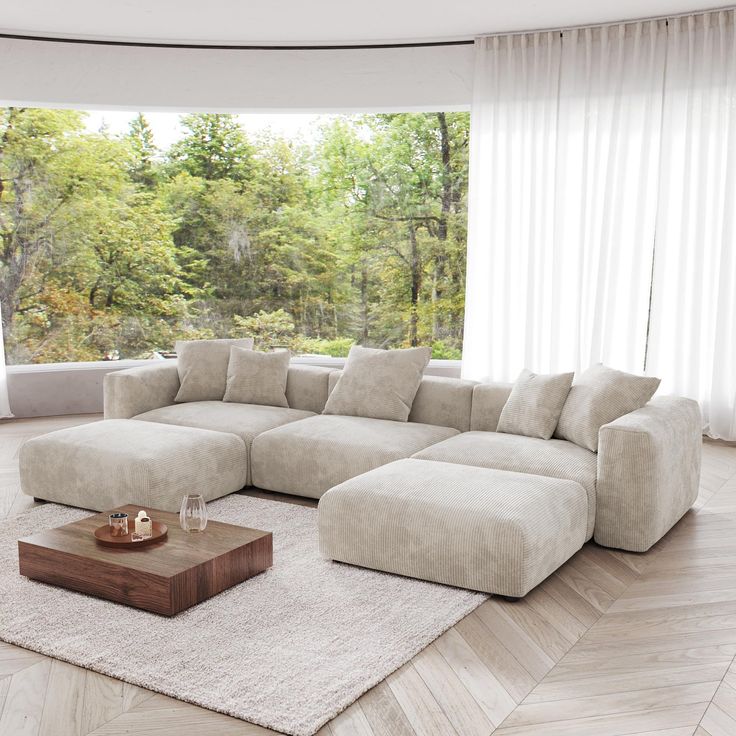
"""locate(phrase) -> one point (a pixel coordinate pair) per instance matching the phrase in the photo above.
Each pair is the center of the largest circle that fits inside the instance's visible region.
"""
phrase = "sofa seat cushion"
(245, 420)
(553, 458)
(307, 458)
(489, 530)
(106, 464)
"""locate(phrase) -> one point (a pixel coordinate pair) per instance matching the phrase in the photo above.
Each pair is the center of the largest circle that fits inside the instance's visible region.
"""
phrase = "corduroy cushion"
(476, 528)
(257, 378)
(553, 458)
(534, 406)
(378, 384)
(598, 397)
(202, 366)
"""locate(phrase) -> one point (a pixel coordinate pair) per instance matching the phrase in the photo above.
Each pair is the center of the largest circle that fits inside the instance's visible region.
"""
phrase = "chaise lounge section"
(489, 530)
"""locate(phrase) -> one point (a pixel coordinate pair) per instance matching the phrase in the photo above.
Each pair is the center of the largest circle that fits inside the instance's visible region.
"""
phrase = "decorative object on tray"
(118, 524)
(104, 535)
(143, 527)
(193, 514)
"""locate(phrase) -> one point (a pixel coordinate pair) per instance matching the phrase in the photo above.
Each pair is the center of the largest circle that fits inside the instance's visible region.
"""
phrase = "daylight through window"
(122, 232)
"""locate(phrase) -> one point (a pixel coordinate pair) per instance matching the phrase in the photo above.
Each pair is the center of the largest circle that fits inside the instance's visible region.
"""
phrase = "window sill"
(435, 367)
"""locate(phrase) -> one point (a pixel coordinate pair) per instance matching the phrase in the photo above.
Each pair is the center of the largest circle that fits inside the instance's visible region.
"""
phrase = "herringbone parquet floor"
(612, 644)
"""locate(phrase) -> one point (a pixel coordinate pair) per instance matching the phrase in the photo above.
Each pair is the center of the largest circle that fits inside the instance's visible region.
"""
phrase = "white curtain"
(692, 340)
(4, 402)
(575, 143)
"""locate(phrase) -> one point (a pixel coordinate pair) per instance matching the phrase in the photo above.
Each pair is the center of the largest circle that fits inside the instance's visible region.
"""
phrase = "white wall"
(89, 76)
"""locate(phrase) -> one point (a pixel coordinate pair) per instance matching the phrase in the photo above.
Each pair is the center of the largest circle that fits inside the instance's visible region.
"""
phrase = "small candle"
(143, 525)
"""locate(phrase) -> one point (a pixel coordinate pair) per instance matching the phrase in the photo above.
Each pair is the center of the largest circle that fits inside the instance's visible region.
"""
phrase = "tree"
(400, 179)
(214, 147)
(42, 171)
(143, 166)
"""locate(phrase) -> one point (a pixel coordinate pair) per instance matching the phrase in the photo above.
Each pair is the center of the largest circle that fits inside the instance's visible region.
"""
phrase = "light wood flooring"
(611, 644)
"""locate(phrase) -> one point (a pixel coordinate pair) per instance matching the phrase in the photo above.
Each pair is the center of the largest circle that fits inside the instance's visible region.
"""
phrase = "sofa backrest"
(445, 402)
(488, 401)
(307, 387)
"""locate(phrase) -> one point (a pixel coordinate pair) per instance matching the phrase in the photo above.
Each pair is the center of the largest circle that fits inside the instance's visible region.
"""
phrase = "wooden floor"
(612, 644)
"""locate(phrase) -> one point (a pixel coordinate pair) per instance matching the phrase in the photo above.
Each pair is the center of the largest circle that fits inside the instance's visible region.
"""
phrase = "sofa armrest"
(648, 472)
(133, 391)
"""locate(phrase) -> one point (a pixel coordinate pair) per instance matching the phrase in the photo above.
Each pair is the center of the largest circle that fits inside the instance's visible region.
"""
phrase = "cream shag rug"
(288, 649)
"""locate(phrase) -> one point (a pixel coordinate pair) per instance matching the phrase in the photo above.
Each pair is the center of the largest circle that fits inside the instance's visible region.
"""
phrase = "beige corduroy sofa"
(447, 465)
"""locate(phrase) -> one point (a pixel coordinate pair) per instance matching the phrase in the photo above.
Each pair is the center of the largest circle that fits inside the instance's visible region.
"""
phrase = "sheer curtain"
(4, 402)
(575, 143)
(692, 339)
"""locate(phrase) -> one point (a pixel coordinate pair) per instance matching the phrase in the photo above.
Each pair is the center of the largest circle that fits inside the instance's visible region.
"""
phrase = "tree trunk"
(416, 282)
(364, 305)
(446, 199)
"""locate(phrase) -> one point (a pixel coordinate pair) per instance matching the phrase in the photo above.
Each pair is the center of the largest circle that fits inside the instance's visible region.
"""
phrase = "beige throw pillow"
(257, 378)
(379, 384)
(202, 366)
(598, 397)
(534, 406)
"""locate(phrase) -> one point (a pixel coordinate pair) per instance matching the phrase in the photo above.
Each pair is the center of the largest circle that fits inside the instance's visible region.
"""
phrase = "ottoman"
(490, 530)
(115, 462)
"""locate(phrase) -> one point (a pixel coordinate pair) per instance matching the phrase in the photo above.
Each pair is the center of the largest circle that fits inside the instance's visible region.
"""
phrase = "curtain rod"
(347, 47)
(563, 29)
(232, 47)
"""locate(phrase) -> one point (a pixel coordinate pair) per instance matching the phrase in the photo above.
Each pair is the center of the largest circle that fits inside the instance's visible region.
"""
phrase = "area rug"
(288, 649)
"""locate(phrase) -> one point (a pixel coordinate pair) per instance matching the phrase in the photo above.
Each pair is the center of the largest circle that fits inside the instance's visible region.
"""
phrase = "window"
(122, 232)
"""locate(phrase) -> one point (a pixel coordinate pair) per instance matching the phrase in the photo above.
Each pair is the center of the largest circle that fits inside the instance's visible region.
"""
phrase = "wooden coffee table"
(165, 577)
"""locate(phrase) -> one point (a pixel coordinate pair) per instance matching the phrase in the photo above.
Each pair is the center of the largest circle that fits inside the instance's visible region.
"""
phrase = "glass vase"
(193, 514)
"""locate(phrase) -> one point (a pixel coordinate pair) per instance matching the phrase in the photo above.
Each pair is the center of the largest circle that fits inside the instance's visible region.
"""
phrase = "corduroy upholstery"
(489, 400)
(247, 421)
(106, 464)
(551, 458)
(488, 530)
(643, 478)
(311, 456)
(648, 472)
(134, 391)
(446, 402)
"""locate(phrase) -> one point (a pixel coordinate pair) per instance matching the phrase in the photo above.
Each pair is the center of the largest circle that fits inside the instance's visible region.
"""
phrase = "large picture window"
(118, 238)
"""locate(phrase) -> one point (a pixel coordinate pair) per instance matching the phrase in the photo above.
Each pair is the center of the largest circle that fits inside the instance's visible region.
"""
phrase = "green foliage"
(440, 351)
(142, 169)
(108, 244)
(214, 147)
(268, 329)
(338, 348)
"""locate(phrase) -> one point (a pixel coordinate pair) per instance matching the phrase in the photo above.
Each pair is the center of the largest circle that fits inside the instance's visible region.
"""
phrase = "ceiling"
(311, 22)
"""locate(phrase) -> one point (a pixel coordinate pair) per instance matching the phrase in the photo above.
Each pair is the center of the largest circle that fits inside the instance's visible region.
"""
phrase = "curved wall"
(88, 75)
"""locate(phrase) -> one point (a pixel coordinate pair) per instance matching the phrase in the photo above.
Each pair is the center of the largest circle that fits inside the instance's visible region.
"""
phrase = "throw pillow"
(202, 366)
(534, 406)
(598, 397)
(257, 378)
(379, 384)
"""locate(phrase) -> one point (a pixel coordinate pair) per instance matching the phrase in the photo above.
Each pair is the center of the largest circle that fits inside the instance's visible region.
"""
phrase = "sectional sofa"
(443, 496)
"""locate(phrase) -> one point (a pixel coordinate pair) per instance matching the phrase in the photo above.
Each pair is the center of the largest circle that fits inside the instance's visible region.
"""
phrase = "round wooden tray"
(102, 534)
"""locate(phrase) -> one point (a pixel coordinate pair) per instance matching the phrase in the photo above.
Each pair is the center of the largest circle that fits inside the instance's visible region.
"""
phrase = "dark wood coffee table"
(166, 577)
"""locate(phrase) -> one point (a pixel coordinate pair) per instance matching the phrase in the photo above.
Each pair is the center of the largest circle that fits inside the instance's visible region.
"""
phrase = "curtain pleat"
(692, 337)
(602, 205)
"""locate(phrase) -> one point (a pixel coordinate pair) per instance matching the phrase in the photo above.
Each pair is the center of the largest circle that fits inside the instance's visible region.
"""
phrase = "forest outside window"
(114, 245)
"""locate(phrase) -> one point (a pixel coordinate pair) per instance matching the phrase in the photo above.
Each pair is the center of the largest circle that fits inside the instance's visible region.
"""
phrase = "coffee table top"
(179, 552)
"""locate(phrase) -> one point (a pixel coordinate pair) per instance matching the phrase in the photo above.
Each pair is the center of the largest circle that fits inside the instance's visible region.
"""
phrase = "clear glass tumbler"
(193, 514)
